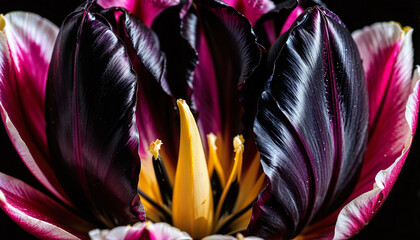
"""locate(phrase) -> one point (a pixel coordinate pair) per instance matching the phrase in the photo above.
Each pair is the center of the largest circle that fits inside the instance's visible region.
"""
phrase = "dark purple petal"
(311, 126)
(91, 126)
(38, 214)
(269, 26)
(276, 22)
(180, 55)
(228, 55)
(156, 112)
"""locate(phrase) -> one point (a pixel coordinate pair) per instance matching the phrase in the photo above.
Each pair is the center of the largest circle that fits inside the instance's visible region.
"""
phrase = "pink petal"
(25, 52)
(355, 215)
(251, 9)
(146, 231)
(146, 10)
(387, 55)
(291, 19)
(37, 213)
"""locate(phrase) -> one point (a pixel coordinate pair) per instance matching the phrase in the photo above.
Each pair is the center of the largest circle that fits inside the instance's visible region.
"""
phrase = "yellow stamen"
(235, 173)
(192, 206)
(155, 147)
(2, 22)
(406, 29)
(214, 163)
(250, 180)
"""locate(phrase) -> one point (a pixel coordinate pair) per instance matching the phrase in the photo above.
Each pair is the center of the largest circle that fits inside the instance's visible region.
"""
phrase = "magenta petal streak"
(387, 59)
(146, 10)
(25, 51)
(251, 9)
(291, 19)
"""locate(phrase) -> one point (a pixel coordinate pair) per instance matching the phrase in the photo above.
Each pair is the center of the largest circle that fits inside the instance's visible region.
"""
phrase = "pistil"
(192, 202)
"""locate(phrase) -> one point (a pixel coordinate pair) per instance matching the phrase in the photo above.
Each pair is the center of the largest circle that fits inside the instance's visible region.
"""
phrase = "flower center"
(203, 199)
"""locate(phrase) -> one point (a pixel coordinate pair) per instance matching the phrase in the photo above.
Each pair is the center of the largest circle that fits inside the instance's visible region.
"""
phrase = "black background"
(399, 218)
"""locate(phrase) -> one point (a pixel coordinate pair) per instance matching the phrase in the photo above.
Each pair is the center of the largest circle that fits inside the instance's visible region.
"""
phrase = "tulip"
(317, 116)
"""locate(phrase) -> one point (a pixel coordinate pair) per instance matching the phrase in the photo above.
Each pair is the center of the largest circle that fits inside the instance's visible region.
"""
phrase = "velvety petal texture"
(146, 231)
(311, 126)
(37, 213)
(26, 45)
(91, 125)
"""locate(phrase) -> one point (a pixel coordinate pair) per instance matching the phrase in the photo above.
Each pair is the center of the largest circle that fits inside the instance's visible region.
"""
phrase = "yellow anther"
(238, 142)
(2, 22)
(238, 146)
(155, 147)
(192, 205)
(406, 29)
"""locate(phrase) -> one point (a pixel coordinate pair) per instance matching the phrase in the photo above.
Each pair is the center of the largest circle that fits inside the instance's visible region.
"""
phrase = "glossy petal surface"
(311, 126)
(91, 125)
(156, 115)
(180, 55)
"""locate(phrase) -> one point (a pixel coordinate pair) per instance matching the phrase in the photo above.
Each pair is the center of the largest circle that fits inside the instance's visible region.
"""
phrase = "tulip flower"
(301, 135)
